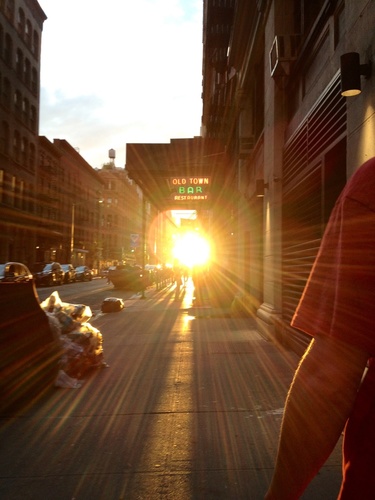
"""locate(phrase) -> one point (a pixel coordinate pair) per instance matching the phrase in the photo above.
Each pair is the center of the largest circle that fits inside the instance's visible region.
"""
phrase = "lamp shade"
(350, 74)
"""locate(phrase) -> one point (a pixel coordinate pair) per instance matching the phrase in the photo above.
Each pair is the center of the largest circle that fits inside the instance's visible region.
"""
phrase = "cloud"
(129, 71)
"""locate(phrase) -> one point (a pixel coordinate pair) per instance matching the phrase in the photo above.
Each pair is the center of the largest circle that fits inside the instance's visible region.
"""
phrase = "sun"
(191, 250)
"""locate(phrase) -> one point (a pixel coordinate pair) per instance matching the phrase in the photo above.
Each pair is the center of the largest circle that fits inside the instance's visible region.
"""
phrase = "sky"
(120, 71)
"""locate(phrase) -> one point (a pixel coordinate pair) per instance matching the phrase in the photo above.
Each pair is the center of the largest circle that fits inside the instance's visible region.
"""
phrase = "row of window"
(109, 221)
(27, 33)
(26, 72)
(20, 149)
(23, 110)
(24, 26)
(13, 192)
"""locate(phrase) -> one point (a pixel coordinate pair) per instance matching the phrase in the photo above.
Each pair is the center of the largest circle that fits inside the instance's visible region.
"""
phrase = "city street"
(189, 408)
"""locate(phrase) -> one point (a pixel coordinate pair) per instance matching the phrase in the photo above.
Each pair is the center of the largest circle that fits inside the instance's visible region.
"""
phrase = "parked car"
(48, 274)
(29, 350)
(14, 272)
(69, 273)
(84, 273)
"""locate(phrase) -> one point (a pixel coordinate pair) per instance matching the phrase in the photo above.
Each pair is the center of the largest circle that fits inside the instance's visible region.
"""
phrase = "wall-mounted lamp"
(260, 187)
(351, 71)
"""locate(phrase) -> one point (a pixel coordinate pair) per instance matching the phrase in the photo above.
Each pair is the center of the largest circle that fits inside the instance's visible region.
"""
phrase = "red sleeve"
(339, 298)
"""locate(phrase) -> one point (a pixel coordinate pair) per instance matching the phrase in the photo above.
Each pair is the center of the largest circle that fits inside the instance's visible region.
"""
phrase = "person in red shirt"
(334, 385)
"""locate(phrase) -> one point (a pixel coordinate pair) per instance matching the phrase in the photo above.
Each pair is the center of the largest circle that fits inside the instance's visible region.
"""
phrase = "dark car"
(14, 272)
(29, 350)
(70, 273)
(48, 274)
(127, 277)
(83, 273)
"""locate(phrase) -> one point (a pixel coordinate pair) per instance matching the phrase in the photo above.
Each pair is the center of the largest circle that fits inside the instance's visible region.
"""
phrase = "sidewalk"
(189, 409)
(327, 483)
(267, 360)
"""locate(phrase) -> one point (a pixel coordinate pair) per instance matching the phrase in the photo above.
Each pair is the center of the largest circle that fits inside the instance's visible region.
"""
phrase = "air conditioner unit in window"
(283, 52)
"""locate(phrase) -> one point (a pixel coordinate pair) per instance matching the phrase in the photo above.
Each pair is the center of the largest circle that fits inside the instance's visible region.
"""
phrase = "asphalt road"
(189, 408)
(90, 293)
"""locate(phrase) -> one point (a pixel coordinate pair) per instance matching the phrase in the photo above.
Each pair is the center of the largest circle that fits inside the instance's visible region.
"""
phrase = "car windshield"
(66, 267)
(80, 268)
(48, 267)
(2, 269)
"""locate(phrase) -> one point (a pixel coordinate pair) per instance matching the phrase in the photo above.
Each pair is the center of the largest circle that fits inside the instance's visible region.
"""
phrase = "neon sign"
(190, 188)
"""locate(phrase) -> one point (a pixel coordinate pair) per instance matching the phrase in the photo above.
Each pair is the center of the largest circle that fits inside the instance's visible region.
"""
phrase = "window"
(12, 190)
(25, 111)
(28, 33)
(17, 102)
(32, 157)
(8, 50)
(9, 9)
(21, 194)
(310, 12)
(4, 138)
(34, 81)
(33, 123)
(21, 22)
(35, 47)
(27, 72)
(305, 13)
(19, 63)
(24, 150)
(6, 99)
(16, 145)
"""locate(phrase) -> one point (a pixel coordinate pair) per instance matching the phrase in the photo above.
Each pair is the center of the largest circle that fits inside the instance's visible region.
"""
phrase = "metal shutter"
(307, 190)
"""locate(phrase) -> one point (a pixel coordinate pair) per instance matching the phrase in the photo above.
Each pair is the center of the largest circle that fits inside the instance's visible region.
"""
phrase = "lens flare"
(191, 249)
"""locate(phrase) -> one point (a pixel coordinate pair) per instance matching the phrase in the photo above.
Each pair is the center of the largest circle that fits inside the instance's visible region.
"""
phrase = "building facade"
(272, 96)
(68, 206)
(121, 216)
(51, 234)
(53, 205)
(21, 24)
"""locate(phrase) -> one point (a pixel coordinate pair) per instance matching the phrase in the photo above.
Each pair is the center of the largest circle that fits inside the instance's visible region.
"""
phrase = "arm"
(318, 404)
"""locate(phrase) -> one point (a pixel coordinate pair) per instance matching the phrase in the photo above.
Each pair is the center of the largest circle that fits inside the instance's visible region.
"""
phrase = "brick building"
(21, 23)
(121, 214)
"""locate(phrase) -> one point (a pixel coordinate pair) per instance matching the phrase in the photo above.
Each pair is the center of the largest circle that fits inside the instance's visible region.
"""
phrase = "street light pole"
(100, 235)
(72, 233)
(143, 243)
